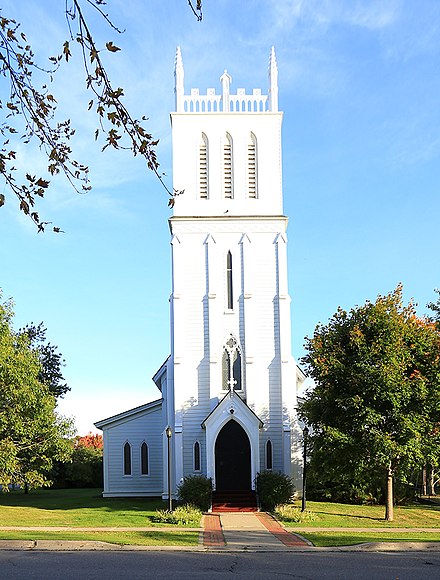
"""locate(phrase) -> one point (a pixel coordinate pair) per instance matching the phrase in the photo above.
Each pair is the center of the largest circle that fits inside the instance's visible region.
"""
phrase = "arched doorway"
(232, 458)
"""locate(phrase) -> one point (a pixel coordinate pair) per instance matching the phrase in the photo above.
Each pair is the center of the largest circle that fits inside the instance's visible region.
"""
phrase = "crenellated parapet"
(225, 102)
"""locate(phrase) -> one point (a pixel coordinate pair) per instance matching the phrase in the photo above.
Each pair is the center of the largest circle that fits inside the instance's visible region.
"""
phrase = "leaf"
(111, 47)
(24, 206)
(66, 51)
(42, 183)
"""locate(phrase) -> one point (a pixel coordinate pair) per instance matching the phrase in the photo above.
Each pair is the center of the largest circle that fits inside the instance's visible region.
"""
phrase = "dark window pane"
(236, 370)
(225, 370)
(144, 459)
(229, 280)
(269, 454)
(197, 456)
(127, 459)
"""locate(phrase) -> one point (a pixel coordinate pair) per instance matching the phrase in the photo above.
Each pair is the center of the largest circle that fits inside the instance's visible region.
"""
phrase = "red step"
(234, 501)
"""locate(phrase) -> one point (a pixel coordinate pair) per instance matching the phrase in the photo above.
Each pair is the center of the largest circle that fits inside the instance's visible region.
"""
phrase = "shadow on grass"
(348, 516)
(69, 499)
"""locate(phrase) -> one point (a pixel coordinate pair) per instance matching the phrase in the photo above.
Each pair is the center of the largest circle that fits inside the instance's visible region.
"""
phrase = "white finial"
(273, 82)
(226, 80)
(178, 80)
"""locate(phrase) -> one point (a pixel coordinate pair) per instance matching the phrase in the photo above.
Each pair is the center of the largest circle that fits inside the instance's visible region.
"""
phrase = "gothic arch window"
(144, 459)
(252, 168)
(231, 366)
(196, 456)
(228, 176)
(269, 454)
(229, 287)
(127, 458)
(203, 168)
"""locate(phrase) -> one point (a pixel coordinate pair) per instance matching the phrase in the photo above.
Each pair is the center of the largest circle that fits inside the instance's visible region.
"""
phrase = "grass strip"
(333, 539)
(335, 515)
(77, 507)
(172, 538)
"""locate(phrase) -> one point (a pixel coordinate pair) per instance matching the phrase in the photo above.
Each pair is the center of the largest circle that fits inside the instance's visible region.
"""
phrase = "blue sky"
(359, 87)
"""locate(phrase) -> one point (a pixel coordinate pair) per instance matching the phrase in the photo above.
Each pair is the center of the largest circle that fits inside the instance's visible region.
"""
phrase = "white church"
(228, 391)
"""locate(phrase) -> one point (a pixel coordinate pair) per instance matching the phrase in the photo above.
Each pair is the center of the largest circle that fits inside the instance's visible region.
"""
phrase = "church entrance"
(232, 458)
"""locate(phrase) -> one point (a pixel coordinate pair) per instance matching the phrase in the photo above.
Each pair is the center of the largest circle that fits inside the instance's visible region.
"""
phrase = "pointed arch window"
(231, 366)
(269, 454)
(203, 168)
(228, 185)
(127, 458)
(144, 459)
(196, 456)
(252, 167)
(229, 288)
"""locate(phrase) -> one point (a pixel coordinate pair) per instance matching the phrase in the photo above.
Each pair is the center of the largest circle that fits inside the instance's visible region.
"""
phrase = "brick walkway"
(212, 532)
(255, 531)
(288, 539)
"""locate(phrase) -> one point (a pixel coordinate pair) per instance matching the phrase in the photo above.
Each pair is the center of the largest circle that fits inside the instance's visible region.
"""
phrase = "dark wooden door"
(232, 458)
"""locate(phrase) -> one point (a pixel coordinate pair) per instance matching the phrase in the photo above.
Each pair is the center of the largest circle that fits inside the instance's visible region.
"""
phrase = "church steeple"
(178, 81)
(273, 82)
(225, 80)
(226, 148)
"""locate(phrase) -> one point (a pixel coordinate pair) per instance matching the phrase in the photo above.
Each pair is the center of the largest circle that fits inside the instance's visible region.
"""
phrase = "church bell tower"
(231, 379)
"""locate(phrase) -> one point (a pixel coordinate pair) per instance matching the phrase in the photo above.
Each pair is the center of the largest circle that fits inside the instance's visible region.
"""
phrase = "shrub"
(273, 488)
(196, 490)
(85, 469)
(292, 513)
(181, 516)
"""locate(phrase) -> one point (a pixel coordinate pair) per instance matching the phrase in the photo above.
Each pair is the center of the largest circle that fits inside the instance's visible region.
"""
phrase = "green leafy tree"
(376, 406)
(51, 360)
(29, 110)
(32, 435)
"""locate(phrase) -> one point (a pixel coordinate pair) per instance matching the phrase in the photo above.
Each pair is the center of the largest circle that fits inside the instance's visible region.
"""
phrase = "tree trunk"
(26, 487)
(389, 501)
(431, 481)
(424, 480)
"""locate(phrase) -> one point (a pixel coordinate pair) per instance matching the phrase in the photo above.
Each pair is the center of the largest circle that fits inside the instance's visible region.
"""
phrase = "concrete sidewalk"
(229, 532)
(248, 531)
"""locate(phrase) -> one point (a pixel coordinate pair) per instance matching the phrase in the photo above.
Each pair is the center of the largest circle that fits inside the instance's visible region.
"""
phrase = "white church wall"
(146, 428)
(187, 130)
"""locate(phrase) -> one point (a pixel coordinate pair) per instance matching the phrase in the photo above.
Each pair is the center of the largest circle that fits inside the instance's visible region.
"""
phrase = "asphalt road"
(25, 565)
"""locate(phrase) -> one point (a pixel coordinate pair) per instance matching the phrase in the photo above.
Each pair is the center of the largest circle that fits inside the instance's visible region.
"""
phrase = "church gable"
(133, 462)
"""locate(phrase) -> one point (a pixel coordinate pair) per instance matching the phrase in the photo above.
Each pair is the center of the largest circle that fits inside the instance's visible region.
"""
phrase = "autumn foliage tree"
(376, 405)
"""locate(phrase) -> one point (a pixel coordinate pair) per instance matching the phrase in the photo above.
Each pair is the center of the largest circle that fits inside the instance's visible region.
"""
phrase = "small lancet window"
(231, 366)
(227, 168)
(144, 459)
(252, 167)
(203, 168)
(269, 454)
(229, 290)
(196, 456)
(127, 458)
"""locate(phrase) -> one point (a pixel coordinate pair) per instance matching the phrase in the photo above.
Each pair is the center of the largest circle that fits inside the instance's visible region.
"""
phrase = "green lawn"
(172, 538)
(350, 538)
(76, 508)
(333, 515)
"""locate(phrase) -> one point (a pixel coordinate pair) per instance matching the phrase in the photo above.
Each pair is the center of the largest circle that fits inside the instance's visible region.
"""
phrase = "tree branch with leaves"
(30, 108)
